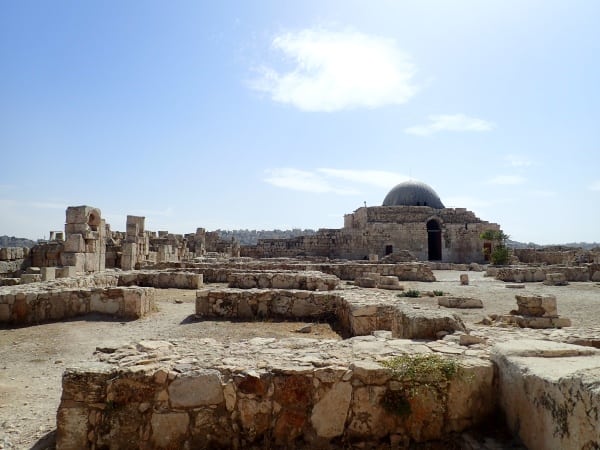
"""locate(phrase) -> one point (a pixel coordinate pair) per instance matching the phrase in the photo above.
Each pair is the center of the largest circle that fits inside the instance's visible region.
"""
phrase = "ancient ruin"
(402, 284)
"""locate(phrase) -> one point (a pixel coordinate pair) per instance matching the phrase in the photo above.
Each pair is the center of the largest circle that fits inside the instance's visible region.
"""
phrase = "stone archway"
(434, 240)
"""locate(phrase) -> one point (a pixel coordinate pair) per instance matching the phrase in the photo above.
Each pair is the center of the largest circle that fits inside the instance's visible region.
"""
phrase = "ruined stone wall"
(23, 307)
(519, 274)
(294, 393)
(307, 280)
(12, 260)
(161, 280)
(219, 272)
(554, 257)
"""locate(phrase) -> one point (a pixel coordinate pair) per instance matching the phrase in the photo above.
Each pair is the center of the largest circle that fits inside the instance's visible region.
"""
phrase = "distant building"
(412, 218)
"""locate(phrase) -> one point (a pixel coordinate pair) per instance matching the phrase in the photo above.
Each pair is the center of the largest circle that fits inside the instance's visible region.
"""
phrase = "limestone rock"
(549, 393)
(556, 279)
(460, 302)
(537, 305)
(409, 323)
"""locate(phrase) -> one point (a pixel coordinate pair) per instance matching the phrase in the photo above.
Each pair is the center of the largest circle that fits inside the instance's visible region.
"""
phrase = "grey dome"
(413, 193)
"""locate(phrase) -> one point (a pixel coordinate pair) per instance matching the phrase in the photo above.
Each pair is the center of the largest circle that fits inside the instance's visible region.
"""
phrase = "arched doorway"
(434, 240)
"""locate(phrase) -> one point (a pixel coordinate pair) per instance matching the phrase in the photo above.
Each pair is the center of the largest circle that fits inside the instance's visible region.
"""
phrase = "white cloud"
(595, 186)
(323, 180)
(518, 160)
(301, 180)
(450, 122)
(338, 70)
(380, 178)
(507, 180)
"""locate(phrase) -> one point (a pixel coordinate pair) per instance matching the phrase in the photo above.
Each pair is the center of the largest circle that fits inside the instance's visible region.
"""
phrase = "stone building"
(412, 218)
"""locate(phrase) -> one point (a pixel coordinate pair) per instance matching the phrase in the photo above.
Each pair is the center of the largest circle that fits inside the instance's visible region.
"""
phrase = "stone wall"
(260, 304)
(355, 314)
(519, 274)
(556, 255)
(22, 307)
(218, 272)
(161, 280)
(307, 280)
(265, 393)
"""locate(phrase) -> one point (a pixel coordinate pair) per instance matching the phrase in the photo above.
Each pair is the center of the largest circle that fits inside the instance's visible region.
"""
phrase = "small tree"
(499, 255)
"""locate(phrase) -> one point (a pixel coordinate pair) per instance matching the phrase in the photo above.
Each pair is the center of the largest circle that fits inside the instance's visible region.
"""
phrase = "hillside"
(11, 241)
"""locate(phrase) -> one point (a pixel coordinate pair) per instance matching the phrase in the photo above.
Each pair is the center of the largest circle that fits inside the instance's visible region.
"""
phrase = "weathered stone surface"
(520, 274)
(25, 304)
(312, 393)
(410, 323)
(549, 393)
(169, 429)
(537, 305)
(460, 302)
(556, 279)
(307, 280)
(199, 389)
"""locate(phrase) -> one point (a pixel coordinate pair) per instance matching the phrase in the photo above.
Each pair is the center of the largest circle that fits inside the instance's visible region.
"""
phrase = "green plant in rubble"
(423, 368)
(438, 293)
(413, 293)
(417, 373)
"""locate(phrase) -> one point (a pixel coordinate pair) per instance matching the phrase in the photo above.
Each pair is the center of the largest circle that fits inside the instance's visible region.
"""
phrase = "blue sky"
(271, 114)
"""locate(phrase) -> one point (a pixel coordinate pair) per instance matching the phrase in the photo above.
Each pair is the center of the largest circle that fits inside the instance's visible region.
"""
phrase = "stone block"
(329, 414)
(556, 279)
(464, 279)
(72, 428)
(4, 312)
(104, 305)
(65, 272)
(27, 278)
(74, 244)
(537, 305)
(548, 392)
(48, 273)
(460, 302)
(202, 389)
(169, 429)
(409, 323)
(76, 260)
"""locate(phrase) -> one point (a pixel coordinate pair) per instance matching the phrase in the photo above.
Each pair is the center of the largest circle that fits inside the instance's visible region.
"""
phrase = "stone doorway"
(434, 240)
(389, 249)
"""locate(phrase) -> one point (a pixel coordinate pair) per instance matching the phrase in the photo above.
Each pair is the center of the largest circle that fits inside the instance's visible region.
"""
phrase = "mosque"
(412, 218)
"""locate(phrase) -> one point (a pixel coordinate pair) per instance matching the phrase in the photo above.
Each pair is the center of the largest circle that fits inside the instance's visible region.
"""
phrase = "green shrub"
(410, 293)
(438, 293)
(426, 367)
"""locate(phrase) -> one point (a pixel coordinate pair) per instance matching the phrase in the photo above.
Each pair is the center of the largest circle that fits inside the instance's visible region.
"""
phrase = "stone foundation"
(355, 314)
(520, 274)
(218, 272)
(306, 280)
(161, 280)
(24, 308)
(265, 393)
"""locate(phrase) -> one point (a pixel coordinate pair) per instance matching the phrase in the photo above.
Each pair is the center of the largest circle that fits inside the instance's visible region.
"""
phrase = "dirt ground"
(32, 359)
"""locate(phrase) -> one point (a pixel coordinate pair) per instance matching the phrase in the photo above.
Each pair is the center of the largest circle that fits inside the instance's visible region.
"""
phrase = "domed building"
(412, 217)
(413, 193)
